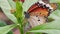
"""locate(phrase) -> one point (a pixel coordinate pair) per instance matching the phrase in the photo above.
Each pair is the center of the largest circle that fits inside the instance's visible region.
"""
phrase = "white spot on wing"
(47, 5)
(41, 2)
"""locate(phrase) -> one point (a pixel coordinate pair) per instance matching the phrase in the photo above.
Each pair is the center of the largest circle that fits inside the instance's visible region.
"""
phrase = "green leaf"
(2, 23)
(10, 32)
(55, 15)
(5, 6)
(58, 6)
(6, 29)
(55, 1)
(12, 4)
(27, 4)
(49, 31)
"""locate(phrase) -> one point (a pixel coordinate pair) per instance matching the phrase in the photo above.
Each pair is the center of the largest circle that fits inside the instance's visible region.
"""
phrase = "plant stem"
(21, 29)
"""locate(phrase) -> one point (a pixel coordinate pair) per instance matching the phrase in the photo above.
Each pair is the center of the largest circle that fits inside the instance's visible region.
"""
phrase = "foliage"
(6, 29)
(2, 23)
(17, 17)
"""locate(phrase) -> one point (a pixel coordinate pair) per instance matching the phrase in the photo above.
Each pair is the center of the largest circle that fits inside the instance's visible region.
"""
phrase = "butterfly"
(38, 13)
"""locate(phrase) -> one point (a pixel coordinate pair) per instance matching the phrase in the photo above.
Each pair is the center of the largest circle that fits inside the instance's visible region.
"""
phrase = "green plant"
(18, 17)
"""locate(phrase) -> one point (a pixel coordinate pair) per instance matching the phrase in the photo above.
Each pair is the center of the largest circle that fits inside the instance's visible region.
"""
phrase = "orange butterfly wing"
(36, 9)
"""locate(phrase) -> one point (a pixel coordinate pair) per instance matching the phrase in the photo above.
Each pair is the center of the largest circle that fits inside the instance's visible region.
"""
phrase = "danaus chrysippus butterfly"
(38, 13)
